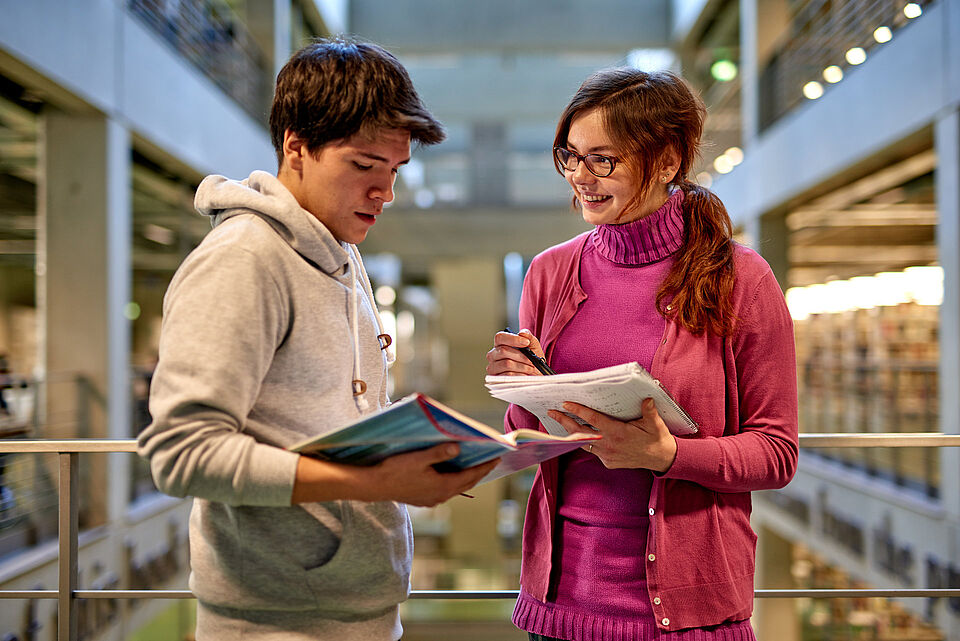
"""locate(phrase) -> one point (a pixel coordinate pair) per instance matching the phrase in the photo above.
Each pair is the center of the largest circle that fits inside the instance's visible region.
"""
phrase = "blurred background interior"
(833, 137)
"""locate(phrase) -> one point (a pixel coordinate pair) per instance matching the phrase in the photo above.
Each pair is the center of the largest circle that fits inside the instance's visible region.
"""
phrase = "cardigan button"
(656, 600)
(651, 557)
(665, 621)
(651, 511)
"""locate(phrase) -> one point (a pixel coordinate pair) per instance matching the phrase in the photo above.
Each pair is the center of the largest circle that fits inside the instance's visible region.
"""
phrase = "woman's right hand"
(506, 359)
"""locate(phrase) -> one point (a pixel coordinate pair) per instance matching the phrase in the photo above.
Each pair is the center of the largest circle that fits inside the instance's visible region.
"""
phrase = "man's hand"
(407, 478)
(410, 478)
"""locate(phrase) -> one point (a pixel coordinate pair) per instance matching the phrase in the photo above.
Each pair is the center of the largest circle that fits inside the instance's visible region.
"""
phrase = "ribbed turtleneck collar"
(646, 240)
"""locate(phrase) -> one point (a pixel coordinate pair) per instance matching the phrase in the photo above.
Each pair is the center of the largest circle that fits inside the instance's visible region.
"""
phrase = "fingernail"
(568, 406)
(451, 450)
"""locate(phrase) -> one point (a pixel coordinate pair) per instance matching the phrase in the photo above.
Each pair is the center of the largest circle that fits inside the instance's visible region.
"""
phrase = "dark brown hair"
(334, 88)
(646, 114)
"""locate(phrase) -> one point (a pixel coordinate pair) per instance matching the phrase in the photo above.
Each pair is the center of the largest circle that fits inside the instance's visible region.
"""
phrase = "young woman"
(643, 535)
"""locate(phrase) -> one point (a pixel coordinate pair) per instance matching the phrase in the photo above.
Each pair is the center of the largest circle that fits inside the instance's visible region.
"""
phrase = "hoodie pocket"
(339, 557)
(267, 565)
(370, 570)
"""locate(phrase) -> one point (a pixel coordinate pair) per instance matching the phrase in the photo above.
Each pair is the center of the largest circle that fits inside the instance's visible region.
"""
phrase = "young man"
(270, 335)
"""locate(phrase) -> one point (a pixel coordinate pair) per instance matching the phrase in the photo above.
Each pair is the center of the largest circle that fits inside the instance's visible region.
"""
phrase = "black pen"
(538, 362)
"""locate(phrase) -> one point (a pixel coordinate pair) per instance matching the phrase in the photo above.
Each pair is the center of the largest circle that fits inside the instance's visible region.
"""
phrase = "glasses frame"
(582, 159)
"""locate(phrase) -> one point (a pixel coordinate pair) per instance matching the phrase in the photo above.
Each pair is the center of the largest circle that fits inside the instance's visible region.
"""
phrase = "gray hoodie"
(265, 325)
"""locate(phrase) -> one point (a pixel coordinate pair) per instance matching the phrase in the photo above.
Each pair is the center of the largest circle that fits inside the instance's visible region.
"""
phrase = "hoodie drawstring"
(358, 385)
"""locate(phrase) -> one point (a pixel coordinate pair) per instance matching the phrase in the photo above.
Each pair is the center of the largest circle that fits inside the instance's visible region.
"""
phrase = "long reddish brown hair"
(647, 114)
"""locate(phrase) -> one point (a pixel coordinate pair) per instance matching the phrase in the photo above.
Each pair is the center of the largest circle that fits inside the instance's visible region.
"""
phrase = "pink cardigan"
(742, 391)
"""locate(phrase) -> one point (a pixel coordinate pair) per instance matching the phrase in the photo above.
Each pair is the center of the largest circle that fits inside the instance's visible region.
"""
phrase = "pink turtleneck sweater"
(598, 584)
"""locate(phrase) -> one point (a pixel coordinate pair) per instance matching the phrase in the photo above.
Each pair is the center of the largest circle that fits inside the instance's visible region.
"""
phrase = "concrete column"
(775, 618)
(83, 286)
(281, 34)
(762, 22)
(770, 236)
(269, 22)
(749, 73)
(470, 295)
(489, 158)
(947, 176)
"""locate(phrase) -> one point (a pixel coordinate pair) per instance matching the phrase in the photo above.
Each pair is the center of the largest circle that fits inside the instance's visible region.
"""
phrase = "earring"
(664, 179)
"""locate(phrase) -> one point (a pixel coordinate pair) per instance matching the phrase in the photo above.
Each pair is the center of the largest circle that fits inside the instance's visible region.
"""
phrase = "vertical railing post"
(68, 536)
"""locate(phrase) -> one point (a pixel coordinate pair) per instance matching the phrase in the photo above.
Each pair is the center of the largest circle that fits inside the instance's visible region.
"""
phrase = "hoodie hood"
(263, 195)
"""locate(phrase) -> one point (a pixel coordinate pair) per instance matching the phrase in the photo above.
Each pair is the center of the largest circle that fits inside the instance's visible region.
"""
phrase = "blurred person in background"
(271, 335)
(6, 382)
(643, 535)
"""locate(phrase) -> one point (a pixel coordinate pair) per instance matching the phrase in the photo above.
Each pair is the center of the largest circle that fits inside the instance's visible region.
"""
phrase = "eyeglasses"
(599, 165)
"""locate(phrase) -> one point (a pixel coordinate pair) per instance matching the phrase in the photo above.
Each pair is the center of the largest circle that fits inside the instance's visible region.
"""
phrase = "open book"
(618, 391)
(417, 422)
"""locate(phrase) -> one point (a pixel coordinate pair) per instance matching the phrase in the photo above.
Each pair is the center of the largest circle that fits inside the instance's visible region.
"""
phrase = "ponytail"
(697, 291)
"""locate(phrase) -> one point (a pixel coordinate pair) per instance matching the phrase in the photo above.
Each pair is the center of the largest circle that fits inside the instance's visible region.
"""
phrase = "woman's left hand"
(643, 443)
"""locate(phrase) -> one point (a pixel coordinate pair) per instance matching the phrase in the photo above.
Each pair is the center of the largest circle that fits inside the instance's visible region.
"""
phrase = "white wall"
(71, 43)
(334, 14)
(93, 52)
(683, 15)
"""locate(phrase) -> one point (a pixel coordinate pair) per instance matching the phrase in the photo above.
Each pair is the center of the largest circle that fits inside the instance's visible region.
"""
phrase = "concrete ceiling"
(480, 63)
(436, 26)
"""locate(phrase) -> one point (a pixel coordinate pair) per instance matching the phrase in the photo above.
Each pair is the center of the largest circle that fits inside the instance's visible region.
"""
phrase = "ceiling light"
(735, 154)
(722, 164)
(882, 34)
(723, 70)
(813, 90)
(131, 311)
(856, 55)
(652, 59)
(833, 74)
(385, 295)
(912, 10)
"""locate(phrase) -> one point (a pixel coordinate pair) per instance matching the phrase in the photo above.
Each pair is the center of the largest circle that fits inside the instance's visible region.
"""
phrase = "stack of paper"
(618, 391)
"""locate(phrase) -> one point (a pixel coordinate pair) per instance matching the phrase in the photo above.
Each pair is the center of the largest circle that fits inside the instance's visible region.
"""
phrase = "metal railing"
(67, 593)
(215, 40)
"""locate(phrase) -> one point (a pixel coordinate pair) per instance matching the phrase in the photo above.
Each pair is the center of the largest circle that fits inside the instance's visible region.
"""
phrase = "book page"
(533, 453)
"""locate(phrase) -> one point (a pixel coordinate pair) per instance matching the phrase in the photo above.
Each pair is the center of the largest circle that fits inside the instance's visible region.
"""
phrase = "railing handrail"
(67, 446)
(505, 594)
(833, 439)
(67, 593)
